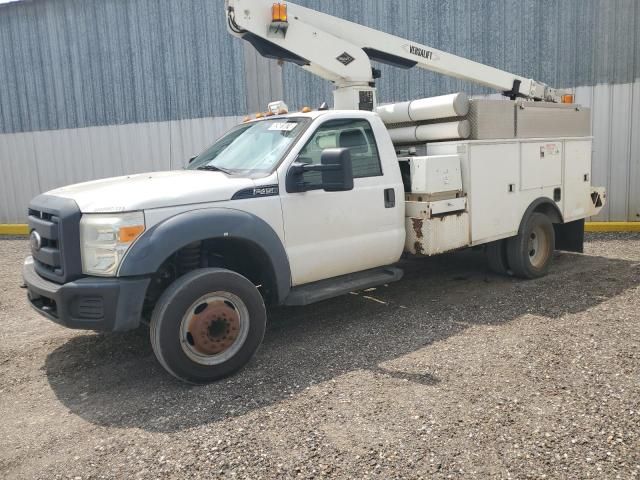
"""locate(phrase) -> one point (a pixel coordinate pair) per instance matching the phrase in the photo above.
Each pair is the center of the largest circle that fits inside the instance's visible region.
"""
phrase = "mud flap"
(570, 236)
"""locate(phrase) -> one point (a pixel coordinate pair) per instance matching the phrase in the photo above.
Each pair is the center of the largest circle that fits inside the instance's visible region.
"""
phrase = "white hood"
(153, 190)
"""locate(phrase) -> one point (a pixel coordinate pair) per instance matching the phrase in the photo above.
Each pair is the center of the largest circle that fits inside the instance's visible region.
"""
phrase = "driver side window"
(356, 135)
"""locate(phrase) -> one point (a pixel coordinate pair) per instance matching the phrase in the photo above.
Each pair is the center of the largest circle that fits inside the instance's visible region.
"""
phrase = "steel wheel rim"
(214, 328)
(538, 247)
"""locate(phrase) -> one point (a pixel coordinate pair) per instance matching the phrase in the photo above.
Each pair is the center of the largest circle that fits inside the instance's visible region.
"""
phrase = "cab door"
(335, 233)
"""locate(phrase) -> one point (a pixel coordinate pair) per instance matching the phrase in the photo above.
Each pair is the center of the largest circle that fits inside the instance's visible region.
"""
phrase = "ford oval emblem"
(36, 241)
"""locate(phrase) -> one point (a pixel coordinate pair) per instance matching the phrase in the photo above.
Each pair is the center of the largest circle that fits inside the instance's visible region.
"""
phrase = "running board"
(334, 287)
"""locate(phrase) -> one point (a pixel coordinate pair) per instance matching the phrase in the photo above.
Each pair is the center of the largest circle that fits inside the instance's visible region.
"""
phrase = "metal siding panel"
(623, 44)
(76, 63)
(634, 157)
(10, 155)
(19, 175)
(547, 31)
(605, 34)
(35, 162)
(567, 48)
(514, 49)
(601, 143)
(585, 60)
(73, 63)
(263, 80)
(620, 139)
(636, 42)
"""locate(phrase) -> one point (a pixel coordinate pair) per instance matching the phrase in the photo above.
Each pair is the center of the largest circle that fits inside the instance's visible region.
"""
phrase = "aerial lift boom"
(341, 52)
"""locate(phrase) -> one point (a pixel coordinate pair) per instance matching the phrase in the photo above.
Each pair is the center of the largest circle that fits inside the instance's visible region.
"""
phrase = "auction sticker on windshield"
(283, 127)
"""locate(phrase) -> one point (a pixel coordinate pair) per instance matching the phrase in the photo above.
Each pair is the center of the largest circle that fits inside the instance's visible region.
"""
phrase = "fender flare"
(161, 241)
(556, 214)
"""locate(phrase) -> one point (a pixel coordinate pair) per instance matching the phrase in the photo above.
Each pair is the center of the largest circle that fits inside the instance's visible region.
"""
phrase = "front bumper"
(102, 304)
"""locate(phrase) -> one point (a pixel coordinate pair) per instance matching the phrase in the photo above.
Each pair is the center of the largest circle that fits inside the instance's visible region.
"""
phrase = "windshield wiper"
(213, 168)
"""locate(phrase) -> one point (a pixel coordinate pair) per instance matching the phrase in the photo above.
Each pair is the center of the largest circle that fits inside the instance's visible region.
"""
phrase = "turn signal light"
(129, 234)
(567, 98)
(279, 12)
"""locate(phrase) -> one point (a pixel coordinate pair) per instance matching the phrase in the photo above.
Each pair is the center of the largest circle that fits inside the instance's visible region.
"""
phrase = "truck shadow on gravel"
(115, 380)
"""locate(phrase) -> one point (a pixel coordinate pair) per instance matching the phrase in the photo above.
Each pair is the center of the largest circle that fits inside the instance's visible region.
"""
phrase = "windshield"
(256, 147)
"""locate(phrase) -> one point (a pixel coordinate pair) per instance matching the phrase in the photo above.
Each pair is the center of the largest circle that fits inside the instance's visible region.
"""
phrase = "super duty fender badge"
(257, 192)
(421, 52)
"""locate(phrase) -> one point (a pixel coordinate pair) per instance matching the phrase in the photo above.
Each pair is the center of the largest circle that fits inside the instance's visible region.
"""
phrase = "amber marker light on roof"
(279, 12)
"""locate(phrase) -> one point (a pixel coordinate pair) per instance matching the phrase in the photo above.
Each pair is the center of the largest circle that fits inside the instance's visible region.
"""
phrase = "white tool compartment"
(436, 174)
(501, 178)
(541, 164)
(431, 236)
(577, 179)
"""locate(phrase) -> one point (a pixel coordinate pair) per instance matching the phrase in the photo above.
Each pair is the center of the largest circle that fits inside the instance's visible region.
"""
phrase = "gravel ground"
(451, 373)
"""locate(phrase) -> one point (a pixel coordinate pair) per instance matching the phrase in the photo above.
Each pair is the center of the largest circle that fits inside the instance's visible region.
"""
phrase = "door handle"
(389, 198)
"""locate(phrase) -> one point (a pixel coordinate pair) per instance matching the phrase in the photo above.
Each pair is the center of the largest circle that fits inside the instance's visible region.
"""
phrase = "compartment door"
(493, 193)
(577, 179)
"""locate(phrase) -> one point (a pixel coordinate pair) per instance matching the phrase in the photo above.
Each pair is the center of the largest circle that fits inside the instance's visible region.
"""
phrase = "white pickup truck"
(295, 208)
(289, 210)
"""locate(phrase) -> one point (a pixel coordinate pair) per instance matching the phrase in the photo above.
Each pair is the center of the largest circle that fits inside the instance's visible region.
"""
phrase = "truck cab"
(277, 203)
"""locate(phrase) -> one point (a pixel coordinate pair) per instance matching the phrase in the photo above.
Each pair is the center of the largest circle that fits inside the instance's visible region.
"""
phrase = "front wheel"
(207, 325)
(530, 253)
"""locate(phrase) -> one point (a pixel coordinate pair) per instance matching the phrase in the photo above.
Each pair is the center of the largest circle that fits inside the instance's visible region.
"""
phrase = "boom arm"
(341, 52)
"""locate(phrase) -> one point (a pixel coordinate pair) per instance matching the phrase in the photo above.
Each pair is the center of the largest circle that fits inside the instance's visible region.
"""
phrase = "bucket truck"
(293, 208)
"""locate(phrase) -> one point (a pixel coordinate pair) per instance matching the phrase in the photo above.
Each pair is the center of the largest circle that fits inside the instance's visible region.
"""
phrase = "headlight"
(105, 238)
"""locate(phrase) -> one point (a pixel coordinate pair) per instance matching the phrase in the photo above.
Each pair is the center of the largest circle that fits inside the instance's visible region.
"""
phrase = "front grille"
(57, 253)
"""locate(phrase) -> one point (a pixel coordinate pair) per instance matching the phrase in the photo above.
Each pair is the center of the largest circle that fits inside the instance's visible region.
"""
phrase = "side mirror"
(192, 159)
(336, 173)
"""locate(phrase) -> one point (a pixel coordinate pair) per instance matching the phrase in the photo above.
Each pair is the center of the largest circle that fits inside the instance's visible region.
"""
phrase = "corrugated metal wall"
(35, 162)
(78, 63)
(92, 88)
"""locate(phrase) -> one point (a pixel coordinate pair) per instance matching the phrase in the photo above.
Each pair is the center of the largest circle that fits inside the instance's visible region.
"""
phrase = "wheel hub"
(538, 247)
(213, 327)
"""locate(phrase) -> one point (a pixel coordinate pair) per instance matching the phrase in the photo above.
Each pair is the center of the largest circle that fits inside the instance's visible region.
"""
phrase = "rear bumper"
(102, 304)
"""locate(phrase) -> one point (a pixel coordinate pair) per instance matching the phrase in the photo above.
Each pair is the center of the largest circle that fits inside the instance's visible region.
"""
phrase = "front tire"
(531, 252)
(207, 325)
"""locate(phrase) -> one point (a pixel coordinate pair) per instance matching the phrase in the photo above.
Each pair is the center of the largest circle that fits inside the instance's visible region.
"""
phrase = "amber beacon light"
(279, 12)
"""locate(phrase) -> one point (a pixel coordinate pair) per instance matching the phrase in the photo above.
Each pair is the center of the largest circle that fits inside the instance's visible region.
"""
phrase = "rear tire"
(497, 257)
(207, 325)
(531, 252)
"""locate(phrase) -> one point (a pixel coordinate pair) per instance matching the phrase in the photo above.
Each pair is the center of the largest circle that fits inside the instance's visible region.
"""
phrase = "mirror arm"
(295, 181)
(320, 168)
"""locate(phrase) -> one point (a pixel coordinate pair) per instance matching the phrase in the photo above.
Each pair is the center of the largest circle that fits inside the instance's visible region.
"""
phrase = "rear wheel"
(207, 325)
(497, 257)
(531, 252)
